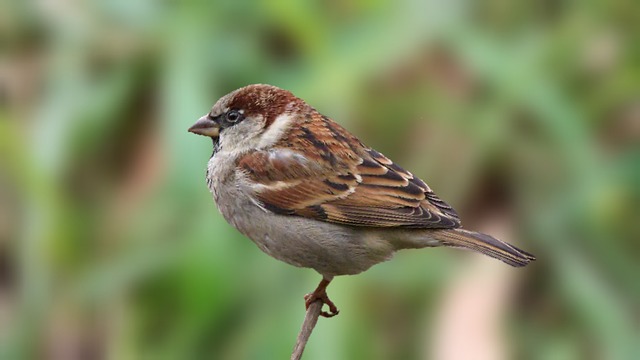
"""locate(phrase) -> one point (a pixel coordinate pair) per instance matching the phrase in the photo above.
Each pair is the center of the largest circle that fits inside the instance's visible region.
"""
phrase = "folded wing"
(331, 184)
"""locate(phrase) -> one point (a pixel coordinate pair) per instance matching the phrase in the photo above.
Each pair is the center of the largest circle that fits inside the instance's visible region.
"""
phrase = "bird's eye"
(233, 116)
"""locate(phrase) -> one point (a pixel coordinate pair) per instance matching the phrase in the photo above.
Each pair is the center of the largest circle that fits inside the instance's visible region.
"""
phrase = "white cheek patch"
(242, 136)
(275, 131)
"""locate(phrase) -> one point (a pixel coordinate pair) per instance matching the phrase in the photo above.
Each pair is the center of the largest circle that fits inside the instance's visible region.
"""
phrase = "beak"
(206, 126)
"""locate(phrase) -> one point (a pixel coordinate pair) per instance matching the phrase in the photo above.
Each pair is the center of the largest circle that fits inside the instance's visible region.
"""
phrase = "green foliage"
(523, 116)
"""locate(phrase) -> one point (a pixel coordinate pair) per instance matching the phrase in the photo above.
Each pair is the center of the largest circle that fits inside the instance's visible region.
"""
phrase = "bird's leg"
(320, 293)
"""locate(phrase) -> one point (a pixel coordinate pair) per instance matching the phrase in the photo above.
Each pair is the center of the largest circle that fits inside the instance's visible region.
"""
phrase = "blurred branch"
(310, 320)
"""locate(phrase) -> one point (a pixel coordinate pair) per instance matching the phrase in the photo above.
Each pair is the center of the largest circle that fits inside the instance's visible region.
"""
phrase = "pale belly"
(328, 248)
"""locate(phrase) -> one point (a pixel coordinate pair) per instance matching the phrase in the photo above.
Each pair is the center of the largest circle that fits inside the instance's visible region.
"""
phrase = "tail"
(485, 244)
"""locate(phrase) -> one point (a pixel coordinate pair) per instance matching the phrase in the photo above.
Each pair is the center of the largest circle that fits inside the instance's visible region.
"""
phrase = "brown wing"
(363, 190)
(390, 196)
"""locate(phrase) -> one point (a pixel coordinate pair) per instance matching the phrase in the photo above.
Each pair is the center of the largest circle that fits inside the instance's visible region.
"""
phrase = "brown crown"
(266, 100)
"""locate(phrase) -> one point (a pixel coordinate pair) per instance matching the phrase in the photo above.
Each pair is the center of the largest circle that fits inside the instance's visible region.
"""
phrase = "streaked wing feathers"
(363, 190)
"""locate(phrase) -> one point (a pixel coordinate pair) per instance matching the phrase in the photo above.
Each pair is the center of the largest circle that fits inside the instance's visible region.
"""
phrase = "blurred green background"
(525, 116)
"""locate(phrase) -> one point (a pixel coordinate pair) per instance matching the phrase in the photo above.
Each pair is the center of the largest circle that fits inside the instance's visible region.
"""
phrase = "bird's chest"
(220, 175)
(238, 207)
(232, 199)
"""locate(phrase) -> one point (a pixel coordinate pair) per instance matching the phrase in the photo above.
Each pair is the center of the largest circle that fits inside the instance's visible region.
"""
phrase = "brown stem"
(310, 320)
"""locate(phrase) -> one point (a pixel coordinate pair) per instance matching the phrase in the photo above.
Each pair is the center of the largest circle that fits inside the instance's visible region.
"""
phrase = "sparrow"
(309, 193)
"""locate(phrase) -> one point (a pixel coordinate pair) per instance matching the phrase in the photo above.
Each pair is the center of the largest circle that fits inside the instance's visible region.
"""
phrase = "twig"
(310, 320)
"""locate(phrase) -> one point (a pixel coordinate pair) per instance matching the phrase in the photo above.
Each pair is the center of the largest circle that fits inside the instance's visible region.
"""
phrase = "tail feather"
(487, 245)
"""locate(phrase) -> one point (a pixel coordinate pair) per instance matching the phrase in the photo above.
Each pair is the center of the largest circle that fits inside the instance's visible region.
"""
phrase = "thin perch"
(310, 320)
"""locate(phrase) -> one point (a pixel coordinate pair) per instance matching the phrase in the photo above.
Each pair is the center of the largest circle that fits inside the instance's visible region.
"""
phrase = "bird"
(309, 193)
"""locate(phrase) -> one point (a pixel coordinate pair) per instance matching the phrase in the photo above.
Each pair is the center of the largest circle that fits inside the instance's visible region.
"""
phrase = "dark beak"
(206, 126)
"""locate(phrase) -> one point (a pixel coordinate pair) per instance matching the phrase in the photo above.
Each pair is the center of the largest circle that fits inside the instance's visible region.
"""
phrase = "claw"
(320, 294)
